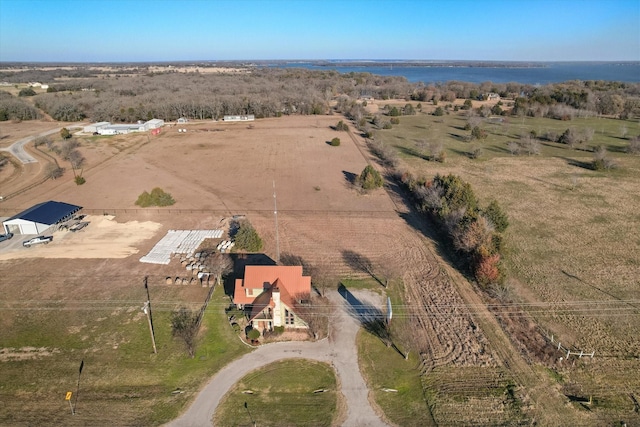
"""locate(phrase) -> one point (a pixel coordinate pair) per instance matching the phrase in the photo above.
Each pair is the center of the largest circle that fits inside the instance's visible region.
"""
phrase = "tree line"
(138, 94)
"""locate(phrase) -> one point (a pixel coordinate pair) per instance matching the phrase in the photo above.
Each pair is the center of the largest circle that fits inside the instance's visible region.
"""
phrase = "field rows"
(443, 329)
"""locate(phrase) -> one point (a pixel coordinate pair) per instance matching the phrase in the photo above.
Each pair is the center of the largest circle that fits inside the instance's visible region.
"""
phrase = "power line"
(400, 311)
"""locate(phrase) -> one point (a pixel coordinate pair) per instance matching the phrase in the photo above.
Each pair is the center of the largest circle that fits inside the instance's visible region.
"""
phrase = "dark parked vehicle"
(78, 226)
(4, 237)
(37, 240)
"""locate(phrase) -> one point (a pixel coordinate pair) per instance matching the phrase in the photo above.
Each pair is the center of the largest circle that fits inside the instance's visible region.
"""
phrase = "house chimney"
(277, 307)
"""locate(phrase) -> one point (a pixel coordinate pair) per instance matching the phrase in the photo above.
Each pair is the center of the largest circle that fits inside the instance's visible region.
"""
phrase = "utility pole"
(275, 213)
(147, 310)
(75, 404)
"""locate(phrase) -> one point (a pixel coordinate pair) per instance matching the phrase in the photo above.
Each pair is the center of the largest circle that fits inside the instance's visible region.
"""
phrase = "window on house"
(288, 317)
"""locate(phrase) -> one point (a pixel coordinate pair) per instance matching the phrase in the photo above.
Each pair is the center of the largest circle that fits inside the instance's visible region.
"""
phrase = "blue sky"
(172, 30)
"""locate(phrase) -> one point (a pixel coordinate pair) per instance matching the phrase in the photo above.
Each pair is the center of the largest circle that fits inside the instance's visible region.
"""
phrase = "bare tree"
(623, 131)
(322, 275)
(76, 160)
(601, 160)
(316, 312)
(219, 265)
(42, 140)
(53, 171)
(68, 146)
(473, 120)
(184, 324)
(530, 145)
(422, 145)
(513, 147)
(634, 145)
(390, 271)
(436, 151)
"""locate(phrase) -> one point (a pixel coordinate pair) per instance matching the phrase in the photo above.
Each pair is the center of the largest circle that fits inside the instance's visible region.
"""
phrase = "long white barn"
(107, 128)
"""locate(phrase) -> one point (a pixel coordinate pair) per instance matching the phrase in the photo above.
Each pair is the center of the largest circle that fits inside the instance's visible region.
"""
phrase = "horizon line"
(436, 61)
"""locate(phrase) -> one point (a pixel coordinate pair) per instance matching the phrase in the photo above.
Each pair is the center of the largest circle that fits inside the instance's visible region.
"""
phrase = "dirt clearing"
(102, 238)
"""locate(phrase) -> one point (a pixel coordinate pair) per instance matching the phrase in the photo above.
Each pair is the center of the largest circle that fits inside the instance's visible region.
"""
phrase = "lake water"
(543, 74)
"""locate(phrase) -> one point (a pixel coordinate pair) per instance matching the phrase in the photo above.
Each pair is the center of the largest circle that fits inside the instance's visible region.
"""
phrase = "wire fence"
(568, 352)
(218, 212)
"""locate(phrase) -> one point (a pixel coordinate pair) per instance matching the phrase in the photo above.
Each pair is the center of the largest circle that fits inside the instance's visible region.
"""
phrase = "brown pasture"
(215, 170)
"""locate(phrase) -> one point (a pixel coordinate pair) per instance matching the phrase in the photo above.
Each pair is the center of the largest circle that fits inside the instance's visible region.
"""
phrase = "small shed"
(38, 218)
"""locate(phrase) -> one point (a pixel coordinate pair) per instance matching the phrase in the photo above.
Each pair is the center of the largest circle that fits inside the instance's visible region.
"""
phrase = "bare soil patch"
(11, 131)
(25, 353)
(102, 238)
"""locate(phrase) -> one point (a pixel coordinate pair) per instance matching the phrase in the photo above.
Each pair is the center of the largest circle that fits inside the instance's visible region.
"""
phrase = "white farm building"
(38, 218)
(106, 128)
(243, 118)
(94, 127)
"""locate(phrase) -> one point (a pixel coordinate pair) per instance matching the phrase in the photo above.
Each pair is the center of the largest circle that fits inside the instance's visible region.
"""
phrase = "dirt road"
(339, 350)
(17, 148)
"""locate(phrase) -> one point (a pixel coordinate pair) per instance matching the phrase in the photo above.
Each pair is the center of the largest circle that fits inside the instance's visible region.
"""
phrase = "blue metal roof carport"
(40, 217)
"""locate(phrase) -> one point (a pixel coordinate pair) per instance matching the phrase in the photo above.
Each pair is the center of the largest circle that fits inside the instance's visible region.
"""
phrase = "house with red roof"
(270, 294)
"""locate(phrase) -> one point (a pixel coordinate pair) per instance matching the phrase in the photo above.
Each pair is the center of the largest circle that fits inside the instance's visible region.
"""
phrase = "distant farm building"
(39, 218)
(243, 118)
(182, 120)
(93, 127)
(106, 128)
(154, 123)
(493, 96)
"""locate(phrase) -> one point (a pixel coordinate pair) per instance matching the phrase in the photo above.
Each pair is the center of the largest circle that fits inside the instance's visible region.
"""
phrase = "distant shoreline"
(319, 62)
(427, 72)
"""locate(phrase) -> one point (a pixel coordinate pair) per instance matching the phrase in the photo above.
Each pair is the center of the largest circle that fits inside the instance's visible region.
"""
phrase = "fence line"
(219, 212)
(35, 184)
(205, 305)
(568, 351)
(22, 190)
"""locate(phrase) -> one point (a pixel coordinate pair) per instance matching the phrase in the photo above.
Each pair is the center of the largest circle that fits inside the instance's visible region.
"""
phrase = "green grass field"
(121, 379)
(394, 381)
(285, 393)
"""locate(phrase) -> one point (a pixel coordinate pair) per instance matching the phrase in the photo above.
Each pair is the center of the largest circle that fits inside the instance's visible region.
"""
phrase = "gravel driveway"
(339, 350)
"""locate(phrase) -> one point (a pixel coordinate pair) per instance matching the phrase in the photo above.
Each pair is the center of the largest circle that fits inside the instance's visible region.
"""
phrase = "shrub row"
(474, 232)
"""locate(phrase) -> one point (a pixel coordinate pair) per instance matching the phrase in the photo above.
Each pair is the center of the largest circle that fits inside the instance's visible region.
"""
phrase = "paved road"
(339, 349)
(17, 148)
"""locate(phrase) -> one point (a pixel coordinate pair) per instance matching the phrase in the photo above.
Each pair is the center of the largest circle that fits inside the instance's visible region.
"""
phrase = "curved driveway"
(17, 148)
(340, 350)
